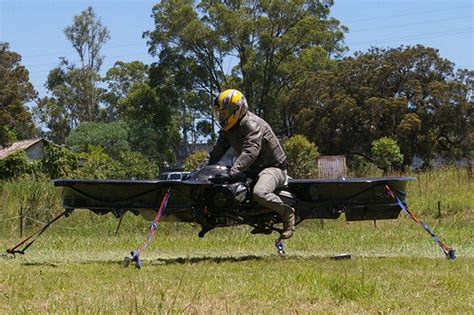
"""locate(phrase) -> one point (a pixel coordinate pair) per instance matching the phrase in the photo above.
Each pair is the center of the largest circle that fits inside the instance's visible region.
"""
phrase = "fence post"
(439, 211)
(21, 221)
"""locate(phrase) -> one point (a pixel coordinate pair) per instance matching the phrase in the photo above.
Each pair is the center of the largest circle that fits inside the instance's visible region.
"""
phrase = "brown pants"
(268, 181)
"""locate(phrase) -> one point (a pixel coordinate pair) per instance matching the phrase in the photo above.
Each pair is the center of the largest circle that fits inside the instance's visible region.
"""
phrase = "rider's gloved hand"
(221, 179)
(228, 178)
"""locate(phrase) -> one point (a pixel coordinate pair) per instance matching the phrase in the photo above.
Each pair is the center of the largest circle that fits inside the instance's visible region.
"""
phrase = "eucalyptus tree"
(410, 94)
(120, 79)
(16, 91)
(260, 47)
(75, 95)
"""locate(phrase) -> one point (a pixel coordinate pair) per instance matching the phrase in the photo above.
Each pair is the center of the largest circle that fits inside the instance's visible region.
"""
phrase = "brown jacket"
(254, 142)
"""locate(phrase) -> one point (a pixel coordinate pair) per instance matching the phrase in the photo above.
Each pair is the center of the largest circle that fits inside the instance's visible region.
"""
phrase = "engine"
(225, 197)
(232, 197)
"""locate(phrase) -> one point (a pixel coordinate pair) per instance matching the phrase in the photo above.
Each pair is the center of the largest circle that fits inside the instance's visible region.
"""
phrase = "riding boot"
(288, 218)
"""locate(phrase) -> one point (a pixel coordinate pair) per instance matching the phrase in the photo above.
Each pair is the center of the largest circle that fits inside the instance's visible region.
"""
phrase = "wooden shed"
(34, 148)
(332, 166)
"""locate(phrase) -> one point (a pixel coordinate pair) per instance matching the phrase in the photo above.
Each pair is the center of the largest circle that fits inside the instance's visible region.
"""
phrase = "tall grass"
(442, 194)
(450, 187)
(76, 266)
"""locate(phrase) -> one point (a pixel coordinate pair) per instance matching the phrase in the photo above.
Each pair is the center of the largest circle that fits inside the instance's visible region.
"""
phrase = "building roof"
(20, 145)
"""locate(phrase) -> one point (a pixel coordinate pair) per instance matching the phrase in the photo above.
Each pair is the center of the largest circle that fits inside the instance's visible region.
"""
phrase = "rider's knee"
(261, 194)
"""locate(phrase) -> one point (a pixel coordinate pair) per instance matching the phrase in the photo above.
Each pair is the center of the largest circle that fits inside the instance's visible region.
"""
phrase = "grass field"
(75, 267)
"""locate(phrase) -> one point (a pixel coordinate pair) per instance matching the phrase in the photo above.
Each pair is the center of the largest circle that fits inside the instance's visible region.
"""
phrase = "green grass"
(75, 267)
(396, 267)
(249, 285)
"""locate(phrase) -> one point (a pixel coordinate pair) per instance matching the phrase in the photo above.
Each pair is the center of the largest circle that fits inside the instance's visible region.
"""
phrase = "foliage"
(96, 164)
(7, 135)
(113, 137)
(301, 156)
(58, 162)
(75, 99)
(87, 36)
(359, 166)
(128, 165)
(14, 165)
(273, 43)
(410, 94)
(74, 89)
(386, 153)
(134, 165)
(192, 162)
(81, 253)
(120, 79)
(153, 131)
(15, 92)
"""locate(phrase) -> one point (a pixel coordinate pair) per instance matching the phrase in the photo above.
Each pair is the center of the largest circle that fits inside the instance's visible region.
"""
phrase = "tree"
(14, 165)
(111, 137)
(58, 161)
(75, 93)
(301, 155)
(152, 123)
(271, 44)
(192, 162)
(410, 94)
(386, 153)
(87, 36)
(128, 165)
(120, 79)
(16, 91)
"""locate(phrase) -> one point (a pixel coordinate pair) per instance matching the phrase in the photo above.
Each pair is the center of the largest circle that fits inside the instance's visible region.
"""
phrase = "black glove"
(221, 179)
(226, 178)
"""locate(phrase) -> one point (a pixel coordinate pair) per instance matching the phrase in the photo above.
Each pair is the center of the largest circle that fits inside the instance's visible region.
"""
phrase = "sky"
(34, 29)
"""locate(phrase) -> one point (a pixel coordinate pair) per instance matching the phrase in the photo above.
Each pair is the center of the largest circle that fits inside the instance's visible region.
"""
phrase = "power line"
(411, 37)
(408, 14)
(351, 21)
(143, 54)
(410, 24)
(419, 36)
(77, 60)
(104, 48)
(115, 56)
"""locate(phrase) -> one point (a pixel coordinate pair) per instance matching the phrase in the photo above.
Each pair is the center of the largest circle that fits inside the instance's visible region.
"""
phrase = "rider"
(257, 150)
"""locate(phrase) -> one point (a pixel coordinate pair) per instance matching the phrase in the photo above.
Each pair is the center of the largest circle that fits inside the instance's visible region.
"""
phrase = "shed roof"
(20, 145)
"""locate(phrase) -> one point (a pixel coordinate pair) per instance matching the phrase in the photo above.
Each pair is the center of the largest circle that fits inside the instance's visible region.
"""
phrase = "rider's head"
(230, 105)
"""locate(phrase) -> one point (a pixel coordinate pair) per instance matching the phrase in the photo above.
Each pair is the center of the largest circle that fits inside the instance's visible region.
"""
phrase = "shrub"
(129, 164)
(193, 160)
(361, 167)
(111, 136)
(386, 153)
(133, 164)
(58, 161)
(96, 164)
(302, 156)
(14, 165)
(7, 135)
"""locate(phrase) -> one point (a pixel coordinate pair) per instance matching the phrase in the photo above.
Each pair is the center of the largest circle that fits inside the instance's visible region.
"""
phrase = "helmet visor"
(223, 115)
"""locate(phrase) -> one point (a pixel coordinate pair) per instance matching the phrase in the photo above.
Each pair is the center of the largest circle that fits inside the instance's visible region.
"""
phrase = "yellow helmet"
(230, 106)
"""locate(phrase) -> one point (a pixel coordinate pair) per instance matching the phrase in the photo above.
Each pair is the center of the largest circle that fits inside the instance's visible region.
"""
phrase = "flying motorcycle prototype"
(202, 200)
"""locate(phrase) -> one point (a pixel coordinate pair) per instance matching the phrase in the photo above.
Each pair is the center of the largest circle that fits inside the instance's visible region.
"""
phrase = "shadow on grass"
(159, 261)
(191, 260)
(197, 260)
(45, 264)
